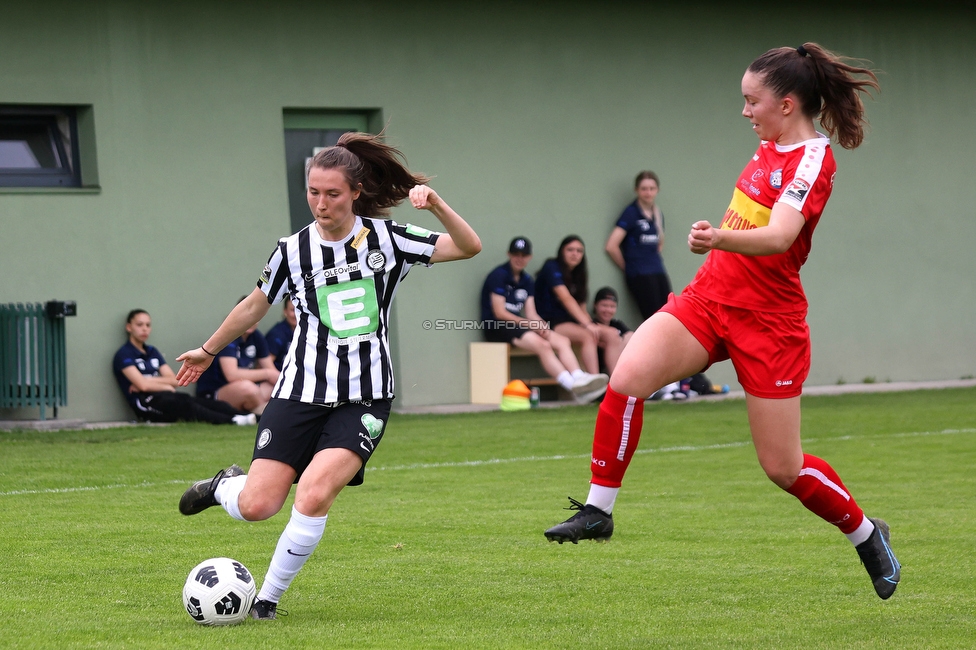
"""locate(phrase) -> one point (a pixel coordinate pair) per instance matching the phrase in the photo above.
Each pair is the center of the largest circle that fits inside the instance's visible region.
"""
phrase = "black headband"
(802, 51)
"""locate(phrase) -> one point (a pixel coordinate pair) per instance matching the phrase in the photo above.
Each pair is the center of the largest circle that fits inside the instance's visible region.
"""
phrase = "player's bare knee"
(258, 508)
(314, 503)
(628, 379)
(781, 474)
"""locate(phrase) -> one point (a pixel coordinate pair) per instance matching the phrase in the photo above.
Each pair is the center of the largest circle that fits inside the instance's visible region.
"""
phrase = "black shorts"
(650, 291)
(293, 432)
(499, 332)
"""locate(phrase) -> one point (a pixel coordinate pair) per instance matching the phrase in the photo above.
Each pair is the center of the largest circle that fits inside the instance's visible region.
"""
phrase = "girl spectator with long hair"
(562, 285)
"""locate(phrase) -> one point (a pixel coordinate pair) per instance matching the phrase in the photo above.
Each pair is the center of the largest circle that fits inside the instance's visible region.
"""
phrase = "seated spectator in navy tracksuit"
(242, 375)
(149, 384)
(279, 337)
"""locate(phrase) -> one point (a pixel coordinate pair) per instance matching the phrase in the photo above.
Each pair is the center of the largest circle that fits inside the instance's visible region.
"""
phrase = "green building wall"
(534, 118)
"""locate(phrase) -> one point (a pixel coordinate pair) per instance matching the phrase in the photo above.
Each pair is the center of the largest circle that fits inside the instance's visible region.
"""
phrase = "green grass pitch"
(443, 546)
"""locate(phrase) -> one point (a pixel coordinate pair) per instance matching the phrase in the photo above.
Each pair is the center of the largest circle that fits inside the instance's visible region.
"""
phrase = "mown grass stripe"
(499, 461)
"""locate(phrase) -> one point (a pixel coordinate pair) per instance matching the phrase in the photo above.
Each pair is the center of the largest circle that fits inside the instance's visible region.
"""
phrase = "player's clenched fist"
(702, 237)
(423, 197)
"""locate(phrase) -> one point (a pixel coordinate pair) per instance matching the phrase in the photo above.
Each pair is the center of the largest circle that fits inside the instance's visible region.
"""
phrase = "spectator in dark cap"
(520, 246)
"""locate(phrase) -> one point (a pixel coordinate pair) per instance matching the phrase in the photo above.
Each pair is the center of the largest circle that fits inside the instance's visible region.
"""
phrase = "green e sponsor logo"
(417, 230)
(349, 308)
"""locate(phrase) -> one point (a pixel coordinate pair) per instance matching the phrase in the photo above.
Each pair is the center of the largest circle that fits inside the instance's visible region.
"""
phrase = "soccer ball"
(219, 591)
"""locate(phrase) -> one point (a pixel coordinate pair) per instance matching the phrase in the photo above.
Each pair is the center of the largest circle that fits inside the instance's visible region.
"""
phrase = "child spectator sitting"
(604, 312)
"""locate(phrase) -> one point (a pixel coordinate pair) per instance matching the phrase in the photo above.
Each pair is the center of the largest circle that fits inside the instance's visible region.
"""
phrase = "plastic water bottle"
(534, 397)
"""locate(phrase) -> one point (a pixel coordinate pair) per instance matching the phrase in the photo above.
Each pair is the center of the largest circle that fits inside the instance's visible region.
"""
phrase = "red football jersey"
(799, 175)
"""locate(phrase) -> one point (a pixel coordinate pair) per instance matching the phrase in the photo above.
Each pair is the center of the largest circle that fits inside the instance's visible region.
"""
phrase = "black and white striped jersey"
(342, 292)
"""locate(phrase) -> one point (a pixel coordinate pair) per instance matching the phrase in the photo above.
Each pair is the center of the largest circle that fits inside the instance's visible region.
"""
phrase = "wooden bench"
(491, 370)
(514, 352)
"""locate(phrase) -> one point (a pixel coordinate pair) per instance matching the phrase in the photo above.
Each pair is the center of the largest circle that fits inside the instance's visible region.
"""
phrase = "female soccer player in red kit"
(746, 303)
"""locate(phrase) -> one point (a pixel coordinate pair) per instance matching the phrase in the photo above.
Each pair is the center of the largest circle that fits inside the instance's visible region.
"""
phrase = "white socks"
(299, 539)
(862, 533)
(227, 492)
(565, 380)
(603, 497)
(245, 420)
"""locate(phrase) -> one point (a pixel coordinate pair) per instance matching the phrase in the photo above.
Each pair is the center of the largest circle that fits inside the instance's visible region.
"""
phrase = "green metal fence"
(32, 356)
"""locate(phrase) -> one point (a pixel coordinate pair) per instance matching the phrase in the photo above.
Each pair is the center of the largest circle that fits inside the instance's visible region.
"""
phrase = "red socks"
(821, 491)
(618, 429)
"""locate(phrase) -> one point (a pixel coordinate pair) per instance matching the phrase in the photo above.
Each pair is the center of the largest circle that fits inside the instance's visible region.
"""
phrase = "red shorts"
(770, 351)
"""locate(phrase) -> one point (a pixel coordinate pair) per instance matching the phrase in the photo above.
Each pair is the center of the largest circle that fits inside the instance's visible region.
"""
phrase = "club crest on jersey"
(776, 179)
(376, 260)
(797, 189)
(265, 275)
(264, 438)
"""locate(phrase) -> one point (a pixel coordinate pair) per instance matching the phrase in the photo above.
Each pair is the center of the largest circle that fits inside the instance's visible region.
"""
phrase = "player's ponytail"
(379, 168)
(826, 85)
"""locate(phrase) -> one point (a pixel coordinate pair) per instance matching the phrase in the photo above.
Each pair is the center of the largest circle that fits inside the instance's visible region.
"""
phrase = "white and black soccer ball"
(219, 591)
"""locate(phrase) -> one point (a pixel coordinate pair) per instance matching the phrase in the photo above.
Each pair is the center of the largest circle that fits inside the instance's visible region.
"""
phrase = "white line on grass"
(659, 450)
(88, 488)
(500, 461)
(530, 459)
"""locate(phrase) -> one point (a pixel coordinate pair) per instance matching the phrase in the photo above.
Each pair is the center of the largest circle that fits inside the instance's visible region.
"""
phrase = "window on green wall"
(39, 146)
(307, 130)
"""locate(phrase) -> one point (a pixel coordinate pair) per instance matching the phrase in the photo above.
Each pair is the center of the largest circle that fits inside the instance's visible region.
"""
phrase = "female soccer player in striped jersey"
(746, 303)
(330, 406)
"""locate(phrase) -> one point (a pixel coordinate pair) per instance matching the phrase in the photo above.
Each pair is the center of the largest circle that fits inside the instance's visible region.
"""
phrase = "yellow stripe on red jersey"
(801, 176)
(744, 213)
